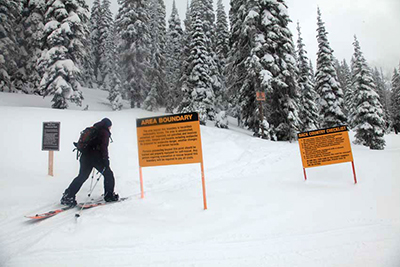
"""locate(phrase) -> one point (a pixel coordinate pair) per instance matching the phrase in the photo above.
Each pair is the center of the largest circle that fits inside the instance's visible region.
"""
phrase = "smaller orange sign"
(325, 146)
(260, 96)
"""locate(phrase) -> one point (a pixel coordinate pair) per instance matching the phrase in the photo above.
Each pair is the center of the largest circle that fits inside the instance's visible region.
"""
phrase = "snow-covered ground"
(260, 212)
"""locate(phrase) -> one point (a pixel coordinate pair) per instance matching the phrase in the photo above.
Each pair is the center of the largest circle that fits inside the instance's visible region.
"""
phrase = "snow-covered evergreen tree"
(312, 74)
(309, 108)
(29, 39)
(115, 88)
(174, 48)
(222, 37)
(395, 101)
(207, 17)
(217, 80)
(262, 59)
(95, 24)
(63, 41)
(383, 92)
(368, 117)
(273, 64)
(221, 51)
(340, 75)
(186, 41)
(132, 24)
(198, 94)
(105, 28)
(241, 91)
(9, 16)
(327, 86)
(112, 80)
(157, 94)
(348, 91)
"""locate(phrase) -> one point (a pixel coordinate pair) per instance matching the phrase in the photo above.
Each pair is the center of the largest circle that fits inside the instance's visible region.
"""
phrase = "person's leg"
(109, 180)
(86, 167)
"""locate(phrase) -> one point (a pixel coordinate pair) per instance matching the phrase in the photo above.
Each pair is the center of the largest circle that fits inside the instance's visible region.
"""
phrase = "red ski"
(48, 214)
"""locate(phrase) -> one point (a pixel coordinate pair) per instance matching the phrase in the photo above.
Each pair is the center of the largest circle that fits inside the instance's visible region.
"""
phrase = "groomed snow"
(261, 212)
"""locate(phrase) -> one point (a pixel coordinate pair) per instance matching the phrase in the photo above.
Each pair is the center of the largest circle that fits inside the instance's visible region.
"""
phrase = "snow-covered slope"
(261, 212)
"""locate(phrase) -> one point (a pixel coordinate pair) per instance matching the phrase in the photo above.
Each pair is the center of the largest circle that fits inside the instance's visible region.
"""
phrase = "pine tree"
(9, 16)
(83, 54)
(347, 89)
(368, 117)
(156, 96)
(186, 41)
(105, 28)
(340, 75)
(221, 51)
(95, 23)
(262, 59)
(309, 111)
(241, 82)
(312, 74)
(222, 37)
(207, 17)
(217, 81)
(327, 86)
(173, 59)
(132, 24)
(30, 42)
(383, 92)
(112, 80)
(272, 60)
(63, 41)
(395, 101)
(198, 94)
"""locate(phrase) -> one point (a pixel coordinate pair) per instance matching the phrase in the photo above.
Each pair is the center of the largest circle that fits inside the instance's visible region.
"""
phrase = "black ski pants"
(88, 162)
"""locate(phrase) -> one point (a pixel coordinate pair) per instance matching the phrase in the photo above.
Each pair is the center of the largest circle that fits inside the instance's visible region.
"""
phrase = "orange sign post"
(170, 140)
(324, 147)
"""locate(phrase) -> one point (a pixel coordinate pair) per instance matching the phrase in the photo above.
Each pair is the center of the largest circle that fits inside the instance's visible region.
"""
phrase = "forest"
(212, 63)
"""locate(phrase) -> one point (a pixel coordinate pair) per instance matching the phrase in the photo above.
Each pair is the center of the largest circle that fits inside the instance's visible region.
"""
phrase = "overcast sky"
(376, 24)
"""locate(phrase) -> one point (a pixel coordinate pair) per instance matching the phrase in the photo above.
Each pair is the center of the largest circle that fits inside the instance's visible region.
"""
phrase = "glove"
(106, 163)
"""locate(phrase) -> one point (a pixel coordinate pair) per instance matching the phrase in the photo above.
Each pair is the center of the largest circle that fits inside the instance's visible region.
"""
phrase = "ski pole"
(90, 193)
(91, 181)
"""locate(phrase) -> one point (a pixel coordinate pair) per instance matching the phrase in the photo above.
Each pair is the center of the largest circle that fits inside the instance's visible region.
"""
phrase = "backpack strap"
(78, 153)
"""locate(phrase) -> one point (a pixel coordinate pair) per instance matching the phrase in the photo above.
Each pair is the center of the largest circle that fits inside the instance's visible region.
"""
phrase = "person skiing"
(96, 156)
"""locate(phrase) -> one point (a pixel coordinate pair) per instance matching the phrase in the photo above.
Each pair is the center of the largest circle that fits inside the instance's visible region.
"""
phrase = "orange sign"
(260, 96)
(325, 146)
(168, 140)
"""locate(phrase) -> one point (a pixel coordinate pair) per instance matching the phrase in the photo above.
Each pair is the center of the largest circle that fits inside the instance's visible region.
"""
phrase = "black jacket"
(103, 139)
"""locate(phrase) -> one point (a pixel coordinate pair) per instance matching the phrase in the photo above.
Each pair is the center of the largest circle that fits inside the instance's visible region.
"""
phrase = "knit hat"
(106, 122)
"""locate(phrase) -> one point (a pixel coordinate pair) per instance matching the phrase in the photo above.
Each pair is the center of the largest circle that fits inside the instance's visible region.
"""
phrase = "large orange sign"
(168, 140)
(325, 146)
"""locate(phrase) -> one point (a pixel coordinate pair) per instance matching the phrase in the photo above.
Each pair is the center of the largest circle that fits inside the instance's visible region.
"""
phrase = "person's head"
(107, 123)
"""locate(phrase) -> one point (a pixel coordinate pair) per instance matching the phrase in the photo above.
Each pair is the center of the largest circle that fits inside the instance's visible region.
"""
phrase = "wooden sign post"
(169, 140)
(325, 146)
(260, 97)
(51, 142)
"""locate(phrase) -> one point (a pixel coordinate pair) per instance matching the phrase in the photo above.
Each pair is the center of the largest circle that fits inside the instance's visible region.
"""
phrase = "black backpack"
(87, 140)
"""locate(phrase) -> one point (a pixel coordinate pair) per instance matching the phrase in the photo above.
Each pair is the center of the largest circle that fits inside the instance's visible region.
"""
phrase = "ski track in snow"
(261, 212)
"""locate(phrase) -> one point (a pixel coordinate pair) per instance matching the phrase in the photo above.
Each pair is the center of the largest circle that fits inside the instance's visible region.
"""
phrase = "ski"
(92, 204)
(81, 206)
(48, 214)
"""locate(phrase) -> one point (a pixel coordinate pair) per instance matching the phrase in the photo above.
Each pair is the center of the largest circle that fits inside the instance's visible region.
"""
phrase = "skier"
(95, 157)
